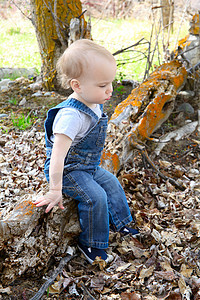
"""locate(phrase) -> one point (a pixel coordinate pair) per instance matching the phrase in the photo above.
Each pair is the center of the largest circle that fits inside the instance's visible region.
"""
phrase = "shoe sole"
(134, 236)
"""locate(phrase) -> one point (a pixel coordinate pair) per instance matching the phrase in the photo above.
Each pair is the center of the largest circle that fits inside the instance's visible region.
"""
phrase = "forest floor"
(164, 262)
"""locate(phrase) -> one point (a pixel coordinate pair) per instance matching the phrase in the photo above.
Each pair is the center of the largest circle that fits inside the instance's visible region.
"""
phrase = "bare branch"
(122, 50)
(29, 18)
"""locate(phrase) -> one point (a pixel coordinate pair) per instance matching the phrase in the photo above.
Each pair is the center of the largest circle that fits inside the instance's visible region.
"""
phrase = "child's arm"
(61, 146)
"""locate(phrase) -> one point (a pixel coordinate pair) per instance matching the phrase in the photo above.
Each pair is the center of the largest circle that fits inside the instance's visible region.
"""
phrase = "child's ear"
(75, 85)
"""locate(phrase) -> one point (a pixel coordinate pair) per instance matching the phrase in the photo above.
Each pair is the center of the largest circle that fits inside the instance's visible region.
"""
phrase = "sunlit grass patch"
(19, 48)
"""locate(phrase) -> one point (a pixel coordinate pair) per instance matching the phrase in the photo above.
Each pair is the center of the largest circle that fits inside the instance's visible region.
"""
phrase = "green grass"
(13, 101)
(21, 122)
(19, 46)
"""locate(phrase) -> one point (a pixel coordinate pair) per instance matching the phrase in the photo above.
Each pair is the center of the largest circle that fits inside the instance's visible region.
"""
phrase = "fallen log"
(29, 238)
(138, 116)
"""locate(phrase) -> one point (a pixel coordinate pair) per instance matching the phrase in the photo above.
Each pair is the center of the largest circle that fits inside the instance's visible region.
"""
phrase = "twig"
(122, 50)
(171, 20)
(89, 296)
(82, 14)
(132, 59)
(148, 56)
(155, 47)
(145, 156)
(192, 69)
(49, 281)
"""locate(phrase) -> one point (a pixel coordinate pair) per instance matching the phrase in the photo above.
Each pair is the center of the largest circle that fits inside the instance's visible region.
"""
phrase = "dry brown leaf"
(166, 275)
(105, 291)
(56, 287)
(130, 296)
(123, 267)
(186, 272)
(174, 296)
(156, 235)
(166, 264)
(6, 290)
(182, 285)
(97, 283)
(100, 263)
(195, 228)
(146, 273)
(165, 163)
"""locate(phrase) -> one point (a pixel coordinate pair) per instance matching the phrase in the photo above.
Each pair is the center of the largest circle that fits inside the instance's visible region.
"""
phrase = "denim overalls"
(101, 199)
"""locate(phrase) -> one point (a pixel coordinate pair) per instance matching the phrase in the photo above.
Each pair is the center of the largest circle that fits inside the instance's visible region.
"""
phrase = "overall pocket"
(101, 136)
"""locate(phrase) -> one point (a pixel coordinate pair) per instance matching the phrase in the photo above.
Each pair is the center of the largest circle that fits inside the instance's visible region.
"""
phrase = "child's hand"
(52, 198)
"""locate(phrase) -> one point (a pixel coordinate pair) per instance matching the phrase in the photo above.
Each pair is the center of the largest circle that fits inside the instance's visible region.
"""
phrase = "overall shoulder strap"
(71, 102)
(80, 106)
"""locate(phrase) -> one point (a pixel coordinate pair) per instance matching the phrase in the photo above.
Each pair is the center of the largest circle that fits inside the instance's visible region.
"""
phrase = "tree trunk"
(167, 12)
(55, 22)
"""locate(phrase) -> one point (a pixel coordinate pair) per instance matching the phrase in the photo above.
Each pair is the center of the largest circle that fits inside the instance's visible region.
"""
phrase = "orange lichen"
(142, 95)
(181, 45)
(113, 159)
(153, 115)
(172, 71)
(25, 208)
(195, 25)
(128, 101)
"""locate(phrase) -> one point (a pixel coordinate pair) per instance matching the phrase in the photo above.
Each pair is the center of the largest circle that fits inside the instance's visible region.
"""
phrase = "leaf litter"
(163, 263)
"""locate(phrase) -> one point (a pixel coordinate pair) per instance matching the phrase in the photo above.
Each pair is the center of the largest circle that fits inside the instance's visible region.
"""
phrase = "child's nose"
(110, 89)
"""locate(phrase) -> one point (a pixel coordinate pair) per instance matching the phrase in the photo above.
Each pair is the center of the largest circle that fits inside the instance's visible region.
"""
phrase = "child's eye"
(102, 86)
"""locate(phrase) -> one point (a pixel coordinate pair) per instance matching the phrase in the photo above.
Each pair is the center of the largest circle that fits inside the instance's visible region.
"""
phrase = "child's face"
(96, 83)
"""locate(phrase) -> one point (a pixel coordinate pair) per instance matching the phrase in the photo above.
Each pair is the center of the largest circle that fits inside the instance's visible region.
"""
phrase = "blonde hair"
(76, 59)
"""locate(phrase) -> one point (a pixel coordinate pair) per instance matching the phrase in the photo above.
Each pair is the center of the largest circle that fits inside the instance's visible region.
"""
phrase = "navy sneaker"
(91, 253)
(126, 230)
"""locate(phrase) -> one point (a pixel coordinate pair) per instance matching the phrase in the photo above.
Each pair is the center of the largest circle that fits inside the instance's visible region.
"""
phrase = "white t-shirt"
(74, 123)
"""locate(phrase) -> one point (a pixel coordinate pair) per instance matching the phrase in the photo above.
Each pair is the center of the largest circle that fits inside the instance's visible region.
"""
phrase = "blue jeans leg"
(119, 211)
(92, 207)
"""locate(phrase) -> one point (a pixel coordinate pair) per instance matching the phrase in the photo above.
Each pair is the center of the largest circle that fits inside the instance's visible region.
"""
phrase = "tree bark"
(51, 19)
